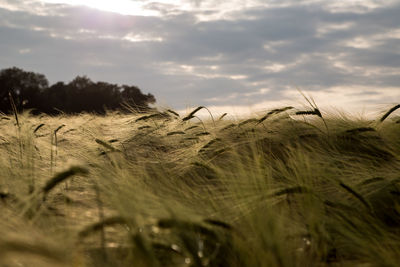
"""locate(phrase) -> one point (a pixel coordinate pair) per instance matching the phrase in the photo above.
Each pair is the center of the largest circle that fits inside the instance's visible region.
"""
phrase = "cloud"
(253, 53)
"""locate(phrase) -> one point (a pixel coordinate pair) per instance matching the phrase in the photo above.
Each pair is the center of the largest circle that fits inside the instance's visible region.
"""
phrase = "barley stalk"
(62, 176)
(111, 221)
(356, 195)
(14, 108)
(390, 111)
(38, 127)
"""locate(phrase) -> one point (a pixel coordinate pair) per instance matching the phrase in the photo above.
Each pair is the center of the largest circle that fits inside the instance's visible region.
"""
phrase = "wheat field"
(289, 187)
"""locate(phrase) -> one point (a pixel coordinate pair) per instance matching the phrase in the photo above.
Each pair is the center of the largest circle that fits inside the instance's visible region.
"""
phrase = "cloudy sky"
(240, 55)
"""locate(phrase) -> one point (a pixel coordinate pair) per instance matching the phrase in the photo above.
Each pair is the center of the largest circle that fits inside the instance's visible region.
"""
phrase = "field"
(290, 187)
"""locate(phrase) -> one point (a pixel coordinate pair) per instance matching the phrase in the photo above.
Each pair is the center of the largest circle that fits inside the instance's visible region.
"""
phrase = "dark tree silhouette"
(55, 99)
(25, 88)
(31, 91)
(132, 96)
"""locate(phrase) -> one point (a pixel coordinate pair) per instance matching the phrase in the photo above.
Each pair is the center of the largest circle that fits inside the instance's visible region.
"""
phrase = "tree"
(25, 88)
(31, 90)
(54, 99)
(132, 95)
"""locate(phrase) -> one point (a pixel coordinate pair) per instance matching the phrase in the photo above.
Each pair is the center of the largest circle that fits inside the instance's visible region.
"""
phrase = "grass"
(287, 188)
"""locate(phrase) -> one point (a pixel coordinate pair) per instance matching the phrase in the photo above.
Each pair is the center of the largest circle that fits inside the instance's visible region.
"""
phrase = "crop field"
(289, 187)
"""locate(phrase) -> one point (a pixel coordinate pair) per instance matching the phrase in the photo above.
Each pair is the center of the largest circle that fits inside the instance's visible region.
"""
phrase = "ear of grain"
(218, 223)
(210, 143)
(228, 126)
(191, 138)
(338, 206)
(310, 112)
(116, 220)
(14, 108)
(175, 133)
(356, 195)
(274, 111)
(218, 152)
(38, 127)
(222, 116)
(62, 176)
(205, 171)
(389, 112)
(106, 145)
(372, 180)
(361, 130)
(173, 112)
(59, 128)
(247, 121)
(191, 114)
(146, 117)
(191, 127)
(203, 133)
(144, 127)
(291, 190)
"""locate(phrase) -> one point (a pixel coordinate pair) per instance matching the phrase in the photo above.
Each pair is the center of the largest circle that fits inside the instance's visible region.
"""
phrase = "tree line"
(29, 90)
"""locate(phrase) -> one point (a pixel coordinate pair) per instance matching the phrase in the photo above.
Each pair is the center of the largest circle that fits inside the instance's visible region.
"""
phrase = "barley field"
(289, 187)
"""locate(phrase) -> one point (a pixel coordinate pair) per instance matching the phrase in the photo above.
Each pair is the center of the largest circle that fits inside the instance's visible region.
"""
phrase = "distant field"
(286, 188)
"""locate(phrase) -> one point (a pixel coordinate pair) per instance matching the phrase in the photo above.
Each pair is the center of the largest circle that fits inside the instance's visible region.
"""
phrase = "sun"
(125, 7)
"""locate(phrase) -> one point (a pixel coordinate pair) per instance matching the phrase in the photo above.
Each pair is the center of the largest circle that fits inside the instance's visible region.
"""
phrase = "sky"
(232, 56)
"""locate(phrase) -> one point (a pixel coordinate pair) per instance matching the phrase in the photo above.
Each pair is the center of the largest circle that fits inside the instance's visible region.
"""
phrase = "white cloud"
(327, 28)
(131, 37)
(369, 41)
(35, 7)
(275, 67)
(24, 51)
(125, 7)
(357, 6)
